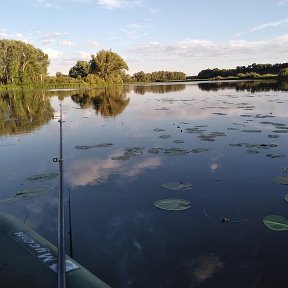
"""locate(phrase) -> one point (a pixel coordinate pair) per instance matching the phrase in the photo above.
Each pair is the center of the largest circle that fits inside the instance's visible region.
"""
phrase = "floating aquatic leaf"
(172, 204)
(217, 134)
(209, 138)
(285, 169)
(195, 130)
(175, 151)
(42, 177)
(165, 136)
(252, 151)
(177, 186)
(83, 147)
(281, 127)
(276, 222)
(286, 197)
(275, 155)
(236, 144)
(273, 136)
(158, 129)
(155, 150)
(281, 180)
(199, 150)
(86, 147)
(251, 131)
(232, 129)
(28, 192)
(179, 141)
(120, 157)
(103, 145)
(219, 113)
(133, 151)
(280, 131)
(32, 192)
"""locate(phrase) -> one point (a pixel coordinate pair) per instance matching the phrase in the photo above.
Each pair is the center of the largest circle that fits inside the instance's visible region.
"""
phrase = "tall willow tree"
(108, 65)
(21, 63)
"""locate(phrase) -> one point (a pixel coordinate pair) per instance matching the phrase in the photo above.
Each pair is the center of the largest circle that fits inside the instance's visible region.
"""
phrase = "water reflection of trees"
(251, 86)
(107, 102)
(158, 89)
(23, 111)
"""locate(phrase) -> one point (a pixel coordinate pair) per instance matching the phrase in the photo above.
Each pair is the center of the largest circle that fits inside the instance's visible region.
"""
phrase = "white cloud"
(90, 171)
(264, 26)
(93, 43)
(51, 37)
(195, 48)
(114, 4)
(53, 54)
(84, 55)
(67, 43)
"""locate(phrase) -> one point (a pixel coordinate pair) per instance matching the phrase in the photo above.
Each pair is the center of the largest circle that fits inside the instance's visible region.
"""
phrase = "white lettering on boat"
(39, 250)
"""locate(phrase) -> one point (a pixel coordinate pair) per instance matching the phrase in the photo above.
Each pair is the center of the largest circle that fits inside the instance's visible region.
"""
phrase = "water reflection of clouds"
(90, 171)
(200, 110)
(205, 267)
(202, 268)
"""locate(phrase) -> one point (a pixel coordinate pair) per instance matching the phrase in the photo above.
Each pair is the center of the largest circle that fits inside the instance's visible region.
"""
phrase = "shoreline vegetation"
(26, 67)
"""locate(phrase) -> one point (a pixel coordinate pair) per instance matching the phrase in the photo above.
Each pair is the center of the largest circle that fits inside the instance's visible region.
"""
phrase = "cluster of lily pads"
(253, 148)
(34, 191)
(86, 147)
(278, 222)
(137, 151)
(129, 152)
(174, 204)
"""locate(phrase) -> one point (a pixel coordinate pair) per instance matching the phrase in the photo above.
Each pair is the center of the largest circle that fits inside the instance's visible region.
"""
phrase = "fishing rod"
(61, 266)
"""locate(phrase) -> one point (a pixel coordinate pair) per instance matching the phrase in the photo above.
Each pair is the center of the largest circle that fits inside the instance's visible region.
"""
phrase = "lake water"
(227, 139)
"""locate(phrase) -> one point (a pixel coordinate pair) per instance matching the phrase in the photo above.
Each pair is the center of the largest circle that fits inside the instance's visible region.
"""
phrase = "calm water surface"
(117, 232)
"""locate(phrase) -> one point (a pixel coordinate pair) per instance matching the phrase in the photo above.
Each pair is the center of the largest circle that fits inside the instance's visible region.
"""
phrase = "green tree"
(283, 74)
(21, 63)
(108, 65)
(80, 69)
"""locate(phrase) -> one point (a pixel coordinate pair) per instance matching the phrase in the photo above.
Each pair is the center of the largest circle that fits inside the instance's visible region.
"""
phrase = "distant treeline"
(157, 76)
(250, 71)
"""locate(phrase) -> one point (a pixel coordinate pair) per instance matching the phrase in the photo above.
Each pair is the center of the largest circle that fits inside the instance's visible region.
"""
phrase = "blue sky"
(151, 35)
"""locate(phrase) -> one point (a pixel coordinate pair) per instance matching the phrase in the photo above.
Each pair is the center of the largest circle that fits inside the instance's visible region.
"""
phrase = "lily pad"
(251, 131)
(281, 180)
(158, 129)
(32, 192)
(83, 147)
(280, 131)
(276, 222)
(199, 150)
(86, 147)
(42, 177)
(155, 150)
(28, 192)
(172, 204)
(178, 141)
(177, 186)
(165, 136)
(175, 152)
(275, 155)
(120, 157)
(133, 151)
(286, 197)
(252, 151)
(103, 145)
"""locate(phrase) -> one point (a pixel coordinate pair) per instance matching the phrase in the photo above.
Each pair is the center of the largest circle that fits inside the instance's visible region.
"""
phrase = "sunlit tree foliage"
(21, 63)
